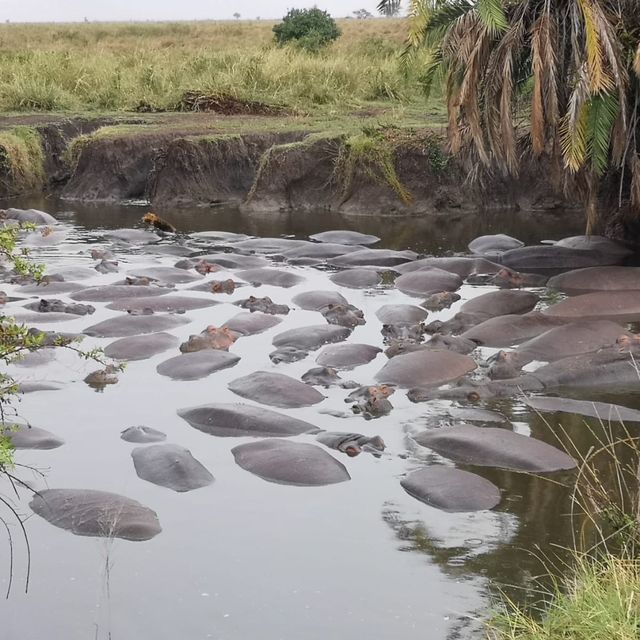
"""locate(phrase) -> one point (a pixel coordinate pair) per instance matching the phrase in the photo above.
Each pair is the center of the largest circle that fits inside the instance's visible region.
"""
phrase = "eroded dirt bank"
(260, 165)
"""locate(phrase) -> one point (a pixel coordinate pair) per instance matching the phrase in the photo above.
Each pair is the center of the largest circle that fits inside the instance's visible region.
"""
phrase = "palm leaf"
(603, 111)
(599, 79)
(492, 14)
(636, 62)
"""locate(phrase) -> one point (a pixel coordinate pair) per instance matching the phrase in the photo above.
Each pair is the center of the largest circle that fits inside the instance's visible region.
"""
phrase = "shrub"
(311, 29)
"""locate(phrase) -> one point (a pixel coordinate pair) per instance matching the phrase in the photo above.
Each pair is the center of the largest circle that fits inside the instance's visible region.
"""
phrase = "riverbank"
(358, 163)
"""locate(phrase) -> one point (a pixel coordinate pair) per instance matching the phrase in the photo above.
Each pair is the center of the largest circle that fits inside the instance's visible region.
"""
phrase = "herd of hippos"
(578, 337)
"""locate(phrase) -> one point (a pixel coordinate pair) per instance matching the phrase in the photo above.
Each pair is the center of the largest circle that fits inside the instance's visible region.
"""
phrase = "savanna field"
(149, 67)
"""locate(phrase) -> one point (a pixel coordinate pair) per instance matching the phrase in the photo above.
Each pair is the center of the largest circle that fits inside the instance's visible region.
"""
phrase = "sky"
(106, 10)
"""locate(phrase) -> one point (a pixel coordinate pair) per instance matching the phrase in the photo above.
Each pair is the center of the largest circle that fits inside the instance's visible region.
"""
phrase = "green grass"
(128, 67)
(601, 601)
(21, 160)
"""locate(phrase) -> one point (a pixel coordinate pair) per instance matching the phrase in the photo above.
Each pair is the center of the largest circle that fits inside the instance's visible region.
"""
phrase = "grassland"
(147, 67)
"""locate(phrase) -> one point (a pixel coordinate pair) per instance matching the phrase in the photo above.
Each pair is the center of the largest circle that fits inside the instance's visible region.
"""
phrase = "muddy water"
(244, 558)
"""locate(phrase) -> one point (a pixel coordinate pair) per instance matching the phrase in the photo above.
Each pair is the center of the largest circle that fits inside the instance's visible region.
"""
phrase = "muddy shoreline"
(384, 171)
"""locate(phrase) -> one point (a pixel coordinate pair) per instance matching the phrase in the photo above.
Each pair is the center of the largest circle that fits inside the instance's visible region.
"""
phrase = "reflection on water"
(435, 235)
(249, 559)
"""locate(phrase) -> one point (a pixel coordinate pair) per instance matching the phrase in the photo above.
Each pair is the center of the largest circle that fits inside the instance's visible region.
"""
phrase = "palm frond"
(636, 62)
(599, 79)
(603, 111)
(492, 14)
(573, 128)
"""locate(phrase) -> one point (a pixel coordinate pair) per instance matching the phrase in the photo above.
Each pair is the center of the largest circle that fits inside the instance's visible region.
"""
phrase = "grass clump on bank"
(21, 161)
(601, 601)
(151, 67)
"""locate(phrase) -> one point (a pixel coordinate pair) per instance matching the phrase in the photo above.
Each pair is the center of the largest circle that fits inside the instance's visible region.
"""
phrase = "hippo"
(51, 288)
(619, 306)
(427, 281)
(345, 237)
(142, 435)
(236, 420)
(318, 300)
(353, 444)
(87, 512)
(131, 325)
(30, 216)
(509, 279)
(440, 301)
(347, 356)
(319, 251)
(169, 304)
(132, 236)
(451, 343)
(222, 286)
(140, 347)
(425, 368)
(24, 436)
(595, 243)
(246, 323)
(204, 267)
(275, 389)
(594, 279)
(211, 338)
(371, 401)
(601, 410)
(493, 245)
(112, 292)
(495, 447)
(312, 337)
(550, 260)
(510, 329)
(263, 305)
(326, 377)
(398, 346)
(396, 314)
(292, 463)
(373, 258)
(343, 315)
(235, 261)
(393, 333)
(102, 377)
(193, 366)
(171, 466)
(107, 266)
(488, 305)
(273, 277)
(287, 355)
(460, 266)
(52, 305)
(567, 340)
(451, 489)
(166, 275)
(356, 278)
(269, 245)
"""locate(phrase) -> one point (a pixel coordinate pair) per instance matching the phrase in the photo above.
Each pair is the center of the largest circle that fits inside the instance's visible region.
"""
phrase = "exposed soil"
(187, 160)
(228, 105)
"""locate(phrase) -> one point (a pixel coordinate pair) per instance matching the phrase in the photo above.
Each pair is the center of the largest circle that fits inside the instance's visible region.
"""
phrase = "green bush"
(311, 29)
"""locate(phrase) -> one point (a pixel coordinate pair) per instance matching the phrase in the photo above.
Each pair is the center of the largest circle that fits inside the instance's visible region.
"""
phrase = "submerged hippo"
(171, 466)
(356, 278)
(601, 410)
(24, 436)
(495, 447)
(345, 237)
(273, 277)
(440, 301)
(597, 279)
(425, 368)
(353, 444)
(52, 305)
(86, 512)
(211, 338)
(236, 420)
(292, 463)
(142, 435)
(451, 489)
(347, 356)
(371, 401)
(263, 305)
(428, 281)
(494, 245)
(275, 389)
(193, 366)
(326, 377)
(140, 347)
(343, 315)
(318, 300)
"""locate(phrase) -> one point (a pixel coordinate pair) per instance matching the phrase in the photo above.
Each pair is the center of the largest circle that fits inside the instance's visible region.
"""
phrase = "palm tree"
(532, 78)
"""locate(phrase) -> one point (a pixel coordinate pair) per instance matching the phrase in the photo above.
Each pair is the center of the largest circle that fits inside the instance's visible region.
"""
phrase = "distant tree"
(236, 15)
(311, 29)
(390, 8)
(362, 14)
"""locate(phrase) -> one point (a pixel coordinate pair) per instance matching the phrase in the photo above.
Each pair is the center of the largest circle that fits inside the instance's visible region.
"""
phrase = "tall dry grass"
(128, 66)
